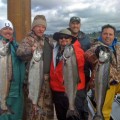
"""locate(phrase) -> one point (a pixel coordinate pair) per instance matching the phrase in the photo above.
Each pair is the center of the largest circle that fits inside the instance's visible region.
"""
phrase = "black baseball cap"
(75, 19)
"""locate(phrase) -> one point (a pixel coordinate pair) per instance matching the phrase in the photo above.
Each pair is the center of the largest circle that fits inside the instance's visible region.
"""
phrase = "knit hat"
(5, 23)
(39, 20)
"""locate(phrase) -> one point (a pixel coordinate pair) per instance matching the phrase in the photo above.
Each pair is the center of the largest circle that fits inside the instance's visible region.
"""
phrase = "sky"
(93, 13)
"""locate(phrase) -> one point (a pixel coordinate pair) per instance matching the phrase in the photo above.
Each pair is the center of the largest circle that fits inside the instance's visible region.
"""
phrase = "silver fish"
(4, 49)
(101, 82)
(35, 76)
(71, 78)
(5, 76)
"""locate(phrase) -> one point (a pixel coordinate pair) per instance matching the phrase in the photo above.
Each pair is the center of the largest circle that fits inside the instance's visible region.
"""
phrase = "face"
(65, 40)
(39, 30)
(7, 32)
(108, 36)
(75, 27)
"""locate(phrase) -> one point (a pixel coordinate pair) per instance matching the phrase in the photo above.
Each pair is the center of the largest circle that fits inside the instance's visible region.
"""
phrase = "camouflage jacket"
(115, 63)
(25, 53)
(24, 50)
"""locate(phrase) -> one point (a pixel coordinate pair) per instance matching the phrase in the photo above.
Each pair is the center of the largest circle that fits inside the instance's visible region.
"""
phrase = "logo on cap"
(7, 25)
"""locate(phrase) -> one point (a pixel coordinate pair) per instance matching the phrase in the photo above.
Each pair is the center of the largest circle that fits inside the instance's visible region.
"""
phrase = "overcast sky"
(93, 13)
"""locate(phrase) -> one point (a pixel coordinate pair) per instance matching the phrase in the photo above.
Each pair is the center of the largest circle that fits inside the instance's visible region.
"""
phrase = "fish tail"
(3, 105)
(72, 113)
(42, 112)
(98, 117)
(6, 111)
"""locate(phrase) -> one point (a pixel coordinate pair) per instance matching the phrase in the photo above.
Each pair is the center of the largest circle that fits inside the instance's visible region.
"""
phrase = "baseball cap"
(75, 19)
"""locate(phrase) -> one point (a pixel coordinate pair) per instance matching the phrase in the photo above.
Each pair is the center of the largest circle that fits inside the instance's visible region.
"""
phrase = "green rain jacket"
(15, 98)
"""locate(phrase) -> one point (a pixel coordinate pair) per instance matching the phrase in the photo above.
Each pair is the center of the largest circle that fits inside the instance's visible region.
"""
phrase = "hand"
(46, 76)
(35, 109)
(34, 47)
(91, 84)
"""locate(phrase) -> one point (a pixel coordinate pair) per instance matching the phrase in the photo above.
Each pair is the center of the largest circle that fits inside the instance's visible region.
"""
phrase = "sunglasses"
(64, 36)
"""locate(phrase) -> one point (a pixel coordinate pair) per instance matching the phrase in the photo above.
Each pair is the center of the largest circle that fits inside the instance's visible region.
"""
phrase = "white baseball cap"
(5, 23)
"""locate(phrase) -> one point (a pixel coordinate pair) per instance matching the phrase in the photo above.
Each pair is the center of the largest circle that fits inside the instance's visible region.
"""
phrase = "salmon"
(71, 78)
(101, 82)
(35, 77)
(5, 77)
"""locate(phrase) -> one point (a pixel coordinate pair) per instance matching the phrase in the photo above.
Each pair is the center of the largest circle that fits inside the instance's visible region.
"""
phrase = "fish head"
(4, 49)
(37, 55)
(68, 51)
(104, 56)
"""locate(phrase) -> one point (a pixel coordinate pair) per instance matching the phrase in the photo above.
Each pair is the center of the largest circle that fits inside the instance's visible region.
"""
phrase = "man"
(34, 40)
(74, 27)
(107, 39)
(15, 73)
(64, 37)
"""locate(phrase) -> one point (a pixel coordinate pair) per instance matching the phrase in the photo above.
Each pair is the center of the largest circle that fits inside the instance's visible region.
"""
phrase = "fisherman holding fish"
(12, 72)
(104, 55)
(63, 96)
(36, 50)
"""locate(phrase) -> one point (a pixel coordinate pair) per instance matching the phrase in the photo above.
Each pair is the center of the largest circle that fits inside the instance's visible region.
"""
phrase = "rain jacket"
(15, 98)
(56, 73)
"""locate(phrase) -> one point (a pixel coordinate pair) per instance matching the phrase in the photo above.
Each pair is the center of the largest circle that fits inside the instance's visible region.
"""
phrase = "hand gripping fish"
(35, 76)
(71, 78)
(5, 77)
(101, 82)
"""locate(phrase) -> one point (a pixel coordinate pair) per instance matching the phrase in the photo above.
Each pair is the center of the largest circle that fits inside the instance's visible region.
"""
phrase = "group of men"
(53, 89)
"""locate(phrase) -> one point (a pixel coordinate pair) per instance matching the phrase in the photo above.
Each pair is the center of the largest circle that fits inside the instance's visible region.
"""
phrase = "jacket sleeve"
(24, 50)
(90, 56)
(79, 54)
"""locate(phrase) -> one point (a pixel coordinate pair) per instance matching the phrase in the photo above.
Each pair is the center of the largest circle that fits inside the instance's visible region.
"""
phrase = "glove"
(101, 48)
